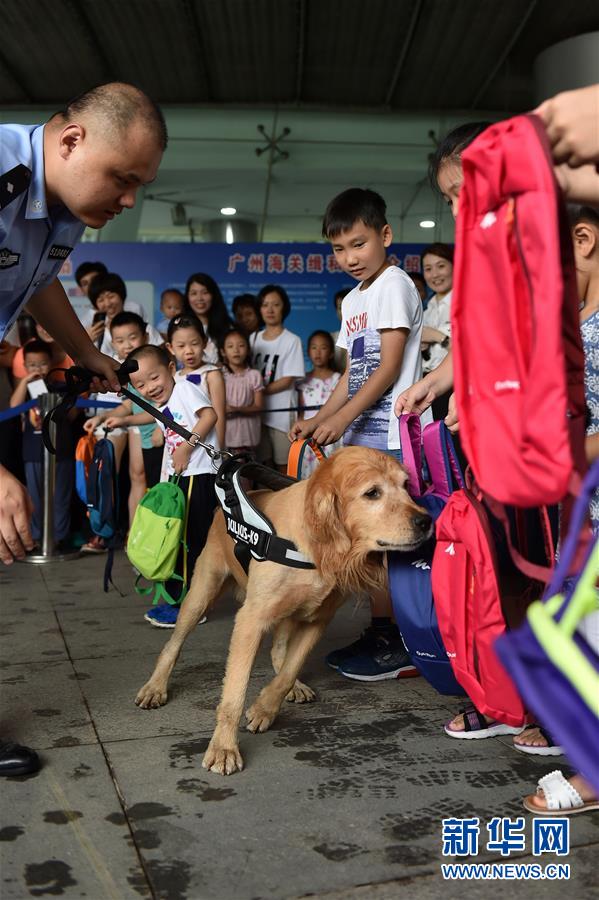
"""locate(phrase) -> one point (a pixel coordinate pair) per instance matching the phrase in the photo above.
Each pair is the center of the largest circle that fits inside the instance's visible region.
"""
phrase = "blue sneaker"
(365, 644)
(387, 659)
(164, 615)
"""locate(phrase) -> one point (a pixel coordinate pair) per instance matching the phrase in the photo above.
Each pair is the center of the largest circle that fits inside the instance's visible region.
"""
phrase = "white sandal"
(560, 796)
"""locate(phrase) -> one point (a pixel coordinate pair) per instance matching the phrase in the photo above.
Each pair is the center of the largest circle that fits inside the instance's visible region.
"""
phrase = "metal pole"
(49, 480)
(47, 402)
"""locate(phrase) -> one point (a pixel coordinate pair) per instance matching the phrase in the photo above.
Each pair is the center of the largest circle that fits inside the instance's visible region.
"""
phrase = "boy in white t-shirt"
(189, 406)
(381, 331)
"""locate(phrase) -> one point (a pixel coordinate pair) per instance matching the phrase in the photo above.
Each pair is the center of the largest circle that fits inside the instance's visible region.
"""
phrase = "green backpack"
(157, 532)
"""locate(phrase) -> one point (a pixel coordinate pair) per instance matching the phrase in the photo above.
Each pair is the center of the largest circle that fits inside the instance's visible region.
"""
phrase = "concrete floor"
(342, 798)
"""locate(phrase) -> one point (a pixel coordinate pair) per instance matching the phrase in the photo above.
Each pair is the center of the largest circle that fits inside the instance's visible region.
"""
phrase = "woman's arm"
(432, 335)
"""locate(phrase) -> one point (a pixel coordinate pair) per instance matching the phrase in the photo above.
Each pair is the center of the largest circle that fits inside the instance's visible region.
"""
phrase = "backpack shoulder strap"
(441, 459)
(410, 436)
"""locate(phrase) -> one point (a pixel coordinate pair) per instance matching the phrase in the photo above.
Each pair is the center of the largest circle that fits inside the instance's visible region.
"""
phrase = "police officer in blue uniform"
(82, 168)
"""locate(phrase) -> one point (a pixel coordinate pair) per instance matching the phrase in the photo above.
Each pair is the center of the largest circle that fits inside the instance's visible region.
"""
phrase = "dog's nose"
(422, 523)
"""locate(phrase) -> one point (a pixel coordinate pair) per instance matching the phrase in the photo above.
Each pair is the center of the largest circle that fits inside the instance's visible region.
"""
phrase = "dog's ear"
(322, 520)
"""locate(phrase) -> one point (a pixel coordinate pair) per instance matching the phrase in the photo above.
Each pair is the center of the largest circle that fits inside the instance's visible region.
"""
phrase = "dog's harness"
(252, 531)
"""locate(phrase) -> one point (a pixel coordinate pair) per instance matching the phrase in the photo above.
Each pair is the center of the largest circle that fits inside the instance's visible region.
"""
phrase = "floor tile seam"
(111, 773)
(402, 879)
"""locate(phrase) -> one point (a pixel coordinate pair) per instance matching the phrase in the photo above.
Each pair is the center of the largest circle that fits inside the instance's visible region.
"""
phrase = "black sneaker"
(388, 658)
(366, 643)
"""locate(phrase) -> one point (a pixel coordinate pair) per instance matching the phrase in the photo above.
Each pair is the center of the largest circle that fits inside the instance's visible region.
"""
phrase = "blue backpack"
(410, 573)
(103, 500)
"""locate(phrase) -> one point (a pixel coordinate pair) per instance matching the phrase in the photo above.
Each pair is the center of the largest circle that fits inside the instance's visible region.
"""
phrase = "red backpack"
(518, 358)
(468, 605)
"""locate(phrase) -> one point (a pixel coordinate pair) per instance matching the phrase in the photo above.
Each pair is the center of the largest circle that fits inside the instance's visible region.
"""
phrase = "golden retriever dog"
(344, 518)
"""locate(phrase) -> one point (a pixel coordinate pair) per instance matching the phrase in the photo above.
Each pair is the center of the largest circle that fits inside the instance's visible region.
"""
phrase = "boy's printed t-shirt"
(391, 301)
(183, 405)
(276, 359)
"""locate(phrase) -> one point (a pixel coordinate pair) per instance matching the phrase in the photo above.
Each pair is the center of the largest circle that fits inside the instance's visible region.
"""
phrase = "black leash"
(78, 381)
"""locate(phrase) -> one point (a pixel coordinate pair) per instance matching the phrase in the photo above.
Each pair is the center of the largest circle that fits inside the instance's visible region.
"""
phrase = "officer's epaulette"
(13, 183)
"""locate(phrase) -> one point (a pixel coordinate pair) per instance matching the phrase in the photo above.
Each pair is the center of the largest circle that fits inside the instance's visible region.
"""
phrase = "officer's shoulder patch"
(8, 258)
(13, 183)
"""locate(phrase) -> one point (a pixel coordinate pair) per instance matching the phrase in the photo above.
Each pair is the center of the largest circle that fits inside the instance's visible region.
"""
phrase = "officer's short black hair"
(351, 206)
(108, 282)
(37, 346)
(86, 267)
(120, 105)
(128, 318)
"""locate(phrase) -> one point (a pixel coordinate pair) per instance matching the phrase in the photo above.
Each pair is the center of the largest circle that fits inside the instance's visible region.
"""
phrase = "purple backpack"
(554, 666)
(410, 573)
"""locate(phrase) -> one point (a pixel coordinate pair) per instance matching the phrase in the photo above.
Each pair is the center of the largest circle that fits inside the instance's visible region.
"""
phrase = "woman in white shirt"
(279, 357)
(204, 299)
(437, 268)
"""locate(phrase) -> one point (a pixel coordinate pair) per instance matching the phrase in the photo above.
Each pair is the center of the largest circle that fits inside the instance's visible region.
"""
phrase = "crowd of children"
(249, 366)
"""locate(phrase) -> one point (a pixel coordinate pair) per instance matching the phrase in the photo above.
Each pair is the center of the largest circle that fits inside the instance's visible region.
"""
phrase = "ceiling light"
(427, 223)
(229, 236)
(228, 211)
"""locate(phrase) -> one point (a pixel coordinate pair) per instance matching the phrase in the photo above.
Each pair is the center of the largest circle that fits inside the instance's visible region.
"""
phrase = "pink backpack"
(518, 358)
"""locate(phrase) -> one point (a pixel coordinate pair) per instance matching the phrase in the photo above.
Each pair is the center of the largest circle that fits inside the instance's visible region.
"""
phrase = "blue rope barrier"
(82, 403)
(16, 410)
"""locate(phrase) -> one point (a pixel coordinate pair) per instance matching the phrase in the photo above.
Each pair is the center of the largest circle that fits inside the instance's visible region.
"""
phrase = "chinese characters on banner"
(307, 271)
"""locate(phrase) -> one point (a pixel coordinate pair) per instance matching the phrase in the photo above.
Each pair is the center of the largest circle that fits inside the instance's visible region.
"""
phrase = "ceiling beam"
(78, 14)
(506, 52)
(16, 78)
(198, 40)
(403, 53)
(301, 49)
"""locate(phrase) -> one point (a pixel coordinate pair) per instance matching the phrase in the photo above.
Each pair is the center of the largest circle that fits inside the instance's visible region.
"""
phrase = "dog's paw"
(259, 718)
(300, 693)
(151, 697)
(221, 761)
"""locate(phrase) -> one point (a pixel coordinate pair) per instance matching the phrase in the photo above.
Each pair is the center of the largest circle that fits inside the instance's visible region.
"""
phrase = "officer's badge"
(8, 259)
(59, 251)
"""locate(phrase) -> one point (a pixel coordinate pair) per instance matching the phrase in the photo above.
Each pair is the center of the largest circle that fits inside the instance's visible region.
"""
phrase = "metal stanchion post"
(47, 402)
